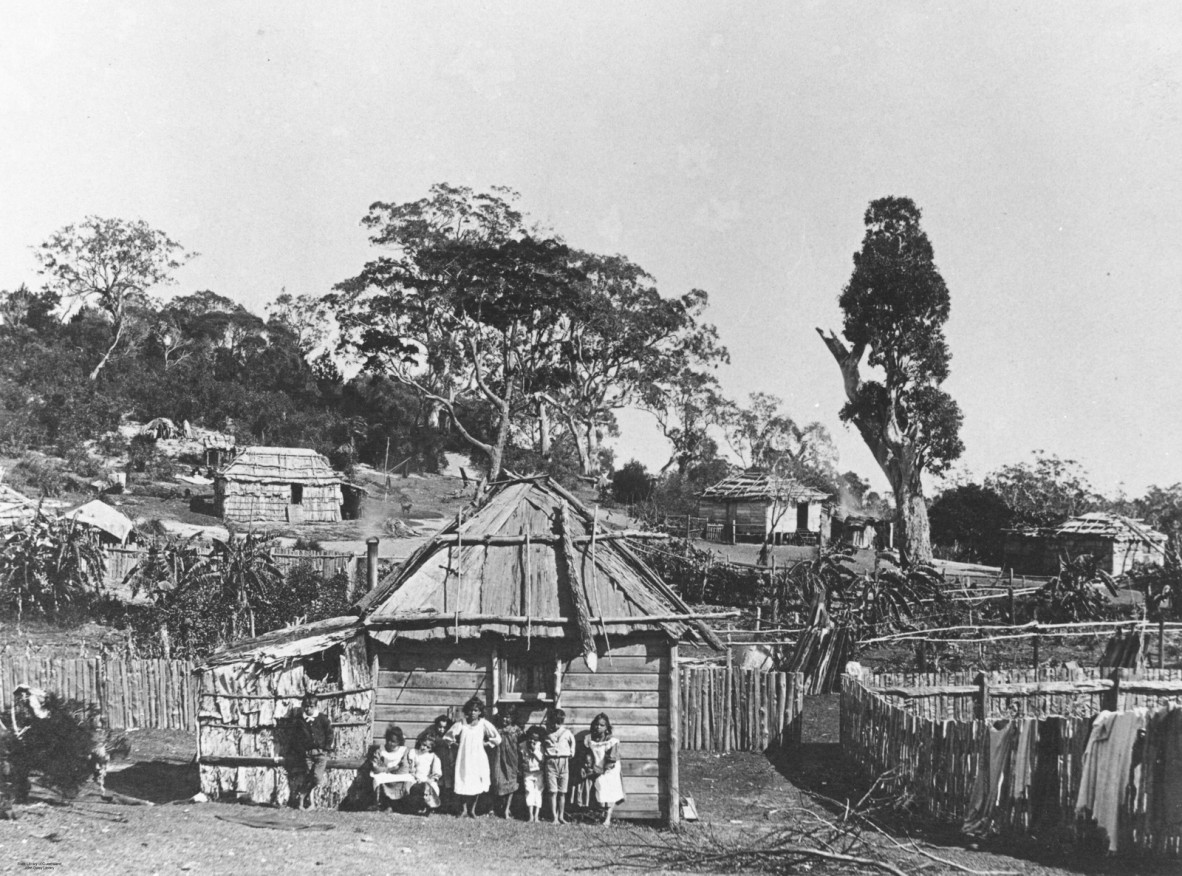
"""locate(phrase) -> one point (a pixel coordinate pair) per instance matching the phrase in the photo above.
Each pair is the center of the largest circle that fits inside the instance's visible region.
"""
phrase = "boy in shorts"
(559, 748)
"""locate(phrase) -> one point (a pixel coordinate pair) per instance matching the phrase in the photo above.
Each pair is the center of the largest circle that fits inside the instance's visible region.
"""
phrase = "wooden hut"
(1117, 542)
(753, 504)
(280, 485)
(530, 603)
(250, 694)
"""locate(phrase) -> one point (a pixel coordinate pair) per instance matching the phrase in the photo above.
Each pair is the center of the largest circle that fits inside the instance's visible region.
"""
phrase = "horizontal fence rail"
(130, 694)
(732, 709)
(121, 560)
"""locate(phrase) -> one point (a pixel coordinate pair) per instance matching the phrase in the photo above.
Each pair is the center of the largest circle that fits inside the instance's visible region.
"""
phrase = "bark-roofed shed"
(1118, 543)
(753, 504)
(531, 603)
(279, 484)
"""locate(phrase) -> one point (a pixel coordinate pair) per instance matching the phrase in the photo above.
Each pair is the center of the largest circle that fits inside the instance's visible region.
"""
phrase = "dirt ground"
(739, 797)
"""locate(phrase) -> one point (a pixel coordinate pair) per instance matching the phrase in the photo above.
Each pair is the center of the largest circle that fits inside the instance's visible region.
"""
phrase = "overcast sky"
(731, 147)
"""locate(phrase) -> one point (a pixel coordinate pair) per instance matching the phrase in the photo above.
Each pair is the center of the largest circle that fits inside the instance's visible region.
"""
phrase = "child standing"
(472, 737)
(560, 747)
(435, 733)
(505, 760)
(601, 784)
(427, 771)
(533, 763)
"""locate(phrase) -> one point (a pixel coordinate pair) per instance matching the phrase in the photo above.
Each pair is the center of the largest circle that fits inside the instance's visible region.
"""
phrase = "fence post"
(1037, 637)
(981, 704)
(1161, 643)
(1013, 613)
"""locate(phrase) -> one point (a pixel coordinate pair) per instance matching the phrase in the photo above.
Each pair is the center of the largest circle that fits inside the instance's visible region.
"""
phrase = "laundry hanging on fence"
(1025, 753)
(1161, 788)
(1108, 770)
(991, 773)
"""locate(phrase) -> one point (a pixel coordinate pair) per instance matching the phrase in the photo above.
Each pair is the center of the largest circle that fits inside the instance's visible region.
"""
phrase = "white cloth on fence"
(992, 768)
(1107, 769)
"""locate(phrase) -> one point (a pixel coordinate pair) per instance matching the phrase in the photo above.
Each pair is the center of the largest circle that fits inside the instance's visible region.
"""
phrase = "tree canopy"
(894, 309)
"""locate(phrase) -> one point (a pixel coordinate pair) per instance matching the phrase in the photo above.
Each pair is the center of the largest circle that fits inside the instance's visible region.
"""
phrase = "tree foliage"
(51, 567)
(967, 521)
(895, 306)
(1044, 492)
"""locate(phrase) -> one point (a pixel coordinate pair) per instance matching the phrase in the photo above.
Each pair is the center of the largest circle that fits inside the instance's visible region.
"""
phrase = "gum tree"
(895, 306)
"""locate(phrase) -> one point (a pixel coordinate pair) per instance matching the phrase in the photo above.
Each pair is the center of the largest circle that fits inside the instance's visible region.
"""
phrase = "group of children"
(469, 758)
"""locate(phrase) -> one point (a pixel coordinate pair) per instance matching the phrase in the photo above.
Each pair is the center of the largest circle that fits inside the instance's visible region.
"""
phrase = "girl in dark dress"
(505, 761)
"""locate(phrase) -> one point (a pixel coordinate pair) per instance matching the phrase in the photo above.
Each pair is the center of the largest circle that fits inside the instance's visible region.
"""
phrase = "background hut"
(250, 693)
(15, 509)
(1117, 543)
(753, 504)
(278, 484)
(530, 603)
(112, 525)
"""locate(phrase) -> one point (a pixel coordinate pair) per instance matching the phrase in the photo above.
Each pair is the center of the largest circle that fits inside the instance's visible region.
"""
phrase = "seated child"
(427, 771)
(390, 767)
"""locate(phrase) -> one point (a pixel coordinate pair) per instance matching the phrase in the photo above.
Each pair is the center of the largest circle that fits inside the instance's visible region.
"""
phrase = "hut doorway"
(802, 516)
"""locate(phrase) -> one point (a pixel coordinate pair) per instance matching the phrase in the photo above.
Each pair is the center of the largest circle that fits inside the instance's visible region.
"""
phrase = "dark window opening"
(802, 515)
(297, 494)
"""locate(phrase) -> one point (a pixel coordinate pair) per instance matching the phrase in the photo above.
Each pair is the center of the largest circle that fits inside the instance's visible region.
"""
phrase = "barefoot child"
(601, 785)
(533, 762)
(427, 771)
(560, 747)
(390, 768)
(505, 761)
(472, 737)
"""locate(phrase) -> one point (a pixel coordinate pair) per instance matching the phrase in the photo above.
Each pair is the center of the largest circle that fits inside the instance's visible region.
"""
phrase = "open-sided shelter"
(753, 505)
(527, 602)
(278, 484)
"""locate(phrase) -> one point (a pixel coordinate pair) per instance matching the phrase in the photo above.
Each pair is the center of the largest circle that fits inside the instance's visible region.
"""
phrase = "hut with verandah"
(757, 505)
(278, 485)
(529, 603)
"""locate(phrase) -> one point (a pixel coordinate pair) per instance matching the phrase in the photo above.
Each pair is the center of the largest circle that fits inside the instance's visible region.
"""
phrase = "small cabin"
(278, 485)
(756, 506)
(527, 601)
(1117, 542)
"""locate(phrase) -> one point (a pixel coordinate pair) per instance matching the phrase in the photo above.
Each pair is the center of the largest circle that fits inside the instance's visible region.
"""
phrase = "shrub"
(50, 567)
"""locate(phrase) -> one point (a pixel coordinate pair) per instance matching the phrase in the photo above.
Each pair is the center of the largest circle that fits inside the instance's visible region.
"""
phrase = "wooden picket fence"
(130, 694)
(918, 736)
(121, 560)
(733, 709)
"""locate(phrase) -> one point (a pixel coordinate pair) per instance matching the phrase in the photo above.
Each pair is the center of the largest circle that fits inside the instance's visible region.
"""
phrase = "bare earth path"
(739, 796)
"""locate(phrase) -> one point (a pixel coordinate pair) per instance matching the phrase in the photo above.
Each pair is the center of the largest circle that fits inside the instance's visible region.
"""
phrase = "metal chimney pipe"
(371, 563)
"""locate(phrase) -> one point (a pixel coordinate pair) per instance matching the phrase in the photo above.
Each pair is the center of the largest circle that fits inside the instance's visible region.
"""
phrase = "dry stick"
(528, 625)
(578, 597)
(594, 589)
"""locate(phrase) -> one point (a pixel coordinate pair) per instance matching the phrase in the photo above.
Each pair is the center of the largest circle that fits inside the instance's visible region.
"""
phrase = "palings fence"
(121, 560)
(130, 694)
(912, 731)
(733, 709)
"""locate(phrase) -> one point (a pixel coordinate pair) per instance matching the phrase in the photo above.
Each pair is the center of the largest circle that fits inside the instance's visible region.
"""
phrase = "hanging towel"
(1107, 768)
(1025, 752)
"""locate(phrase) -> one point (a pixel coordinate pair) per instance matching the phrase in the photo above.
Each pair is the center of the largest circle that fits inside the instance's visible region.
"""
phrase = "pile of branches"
(807, 839)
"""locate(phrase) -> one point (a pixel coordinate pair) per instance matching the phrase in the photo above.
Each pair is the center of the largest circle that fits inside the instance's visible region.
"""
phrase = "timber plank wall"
(130, 694)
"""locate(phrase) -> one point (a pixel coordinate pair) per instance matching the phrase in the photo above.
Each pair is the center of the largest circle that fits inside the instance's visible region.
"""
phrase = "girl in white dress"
(472, 737)
(602, 783)
(390, 768)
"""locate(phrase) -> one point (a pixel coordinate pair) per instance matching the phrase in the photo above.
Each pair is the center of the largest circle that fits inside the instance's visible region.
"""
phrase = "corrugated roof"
(754, 484)
(483, 575)
(1110, 526)
(287, 465)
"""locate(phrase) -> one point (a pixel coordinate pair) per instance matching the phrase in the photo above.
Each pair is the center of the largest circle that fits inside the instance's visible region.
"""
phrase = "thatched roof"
(285, 465)
(755, 484)
(278, 646)
(1115, 526)
(481, 577)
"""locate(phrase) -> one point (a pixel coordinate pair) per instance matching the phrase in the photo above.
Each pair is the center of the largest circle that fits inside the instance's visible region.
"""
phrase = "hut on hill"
(279, 485)
(527, 602)
(754, 505)
(249, 695)
(1117, 542)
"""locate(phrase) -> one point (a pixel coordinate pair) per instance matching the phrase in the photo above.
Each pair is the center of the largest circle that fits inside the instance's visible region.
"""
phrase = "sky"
(728, 147)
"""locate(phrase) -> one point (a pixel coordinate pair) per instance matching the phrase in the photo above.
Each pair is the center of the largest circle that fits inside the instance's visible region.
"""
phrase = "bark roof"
(755, 484)
(286, 465)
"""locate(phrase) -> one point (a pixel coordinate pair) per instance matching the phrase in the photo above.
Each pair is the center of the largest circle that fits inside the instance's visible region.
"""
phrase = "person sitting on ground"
(505, 760)
(390, 768)
(560, 747)
(472, 737)
(533, 763)
(312, 741)
(426, 769)
(600, 784)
